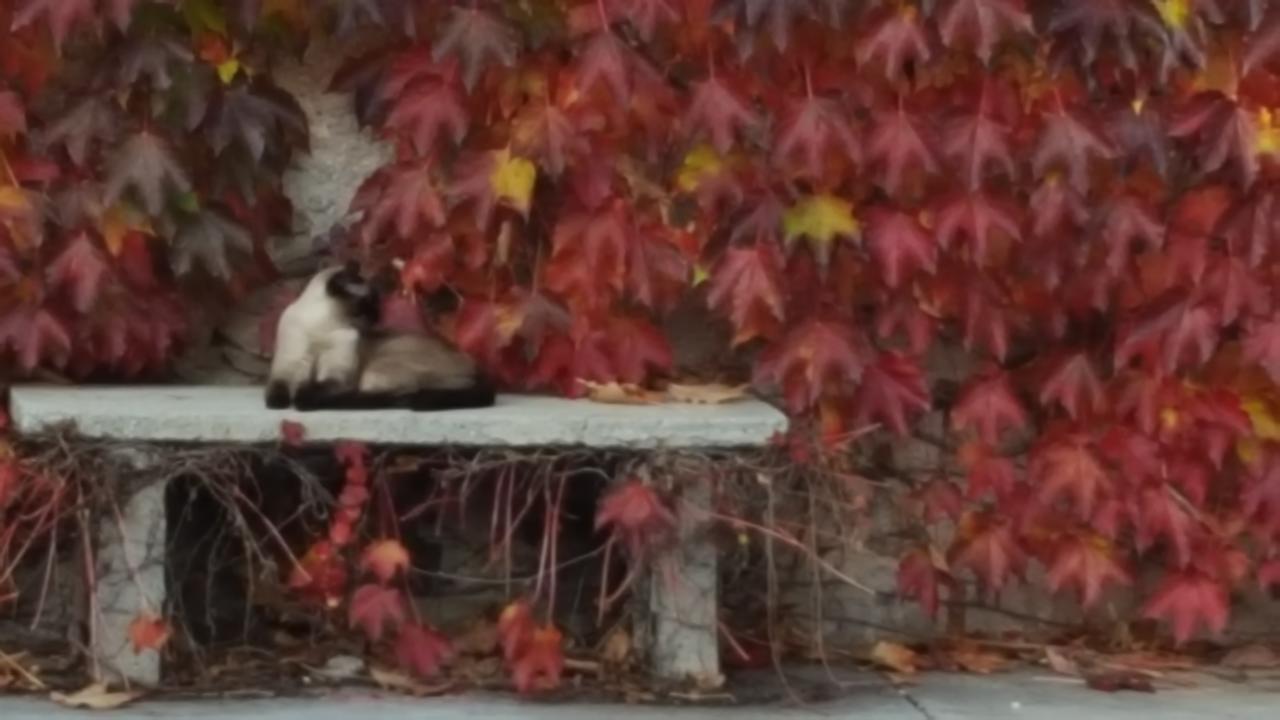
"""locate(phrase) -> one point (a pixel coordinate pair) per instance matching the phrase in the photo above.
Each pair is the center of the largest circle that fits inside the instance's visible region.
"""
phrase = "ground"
(856, 695)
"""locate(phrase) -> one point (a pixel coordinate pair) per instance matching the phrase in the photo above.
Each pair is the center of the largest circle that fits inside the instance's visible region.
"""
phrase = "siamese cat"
(330, 355)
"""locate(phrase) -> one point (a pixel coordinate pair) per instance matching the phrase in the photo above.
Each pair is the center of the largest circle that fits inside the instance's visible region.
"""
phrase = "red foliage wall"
(1080, 192)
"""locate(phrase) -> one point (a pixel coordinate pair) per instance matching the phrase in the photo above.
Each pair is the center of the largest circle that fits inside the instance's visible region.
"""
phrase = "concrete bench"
(130, 569)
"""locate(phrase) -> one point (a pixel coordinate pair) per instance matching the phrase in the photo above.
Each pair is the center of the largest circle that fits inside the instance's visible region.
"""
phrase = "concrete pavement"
(1015, 696)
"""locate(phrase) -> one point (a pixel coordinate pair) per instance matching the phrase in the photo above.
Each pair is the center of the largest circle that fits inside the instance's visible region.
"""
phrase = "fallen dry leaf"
(898, 658)
(617, 648)
(338, 668)
(709, 394)
(1061, 663)
(480, 638)
(95, 697)
(615, 393)
(978, 661)
(397, 681)
(1251, 657)
(1119, 680)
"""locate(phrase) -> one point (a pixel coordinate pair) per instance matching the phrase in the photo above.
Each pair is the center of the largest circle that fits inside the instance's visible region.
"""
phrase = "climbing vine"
(1073, 201)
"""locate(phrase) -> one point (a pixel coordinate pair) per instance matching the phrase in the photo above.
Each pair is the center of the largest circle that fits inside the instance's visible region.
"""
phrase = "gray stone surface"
(236, 414)
(683, 598)
(322, 182)
(1017, 696)
(1045, 697)
(129, 570)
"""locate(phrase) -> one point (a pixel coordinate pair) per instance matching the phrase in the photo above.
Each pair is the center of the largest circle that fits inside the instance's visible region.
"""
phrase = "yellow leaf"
(227, 70)
(118, 221)
(1267, 141)
(13, 201)
(1265, 424)
(512, 179)
(1248, 450)
(701, 164)
(700, 274)
(822, 218)
(1174, 13)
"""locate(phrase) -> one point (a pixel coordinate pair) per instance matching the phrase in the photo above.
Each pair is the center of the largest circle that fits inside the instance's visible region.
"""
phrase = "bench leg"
(684, 626)
(129, 574)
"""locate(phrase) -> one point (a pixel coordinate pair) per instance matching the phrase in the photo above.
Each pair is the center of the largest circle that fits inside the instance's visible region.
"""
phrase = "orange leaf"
(148, 632)
(515, 628)
(895, 657)
(384, 559)
(320, 574)
(543, 658)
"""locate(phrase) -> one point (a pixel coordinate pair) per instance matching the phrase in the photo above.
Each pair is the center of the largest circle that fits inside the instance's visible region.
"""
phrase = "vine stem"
(792, 542)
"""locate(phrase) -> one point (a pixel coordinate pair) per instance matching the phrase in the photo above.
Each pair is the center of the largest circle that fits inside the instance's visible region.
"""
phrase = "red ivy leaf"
(1187, 600)
(981, 24)
(606, 59)
(402, 198)
(1127, 219)
(919, 578)
(747, 285)
(979, 142)
(1068, 142)
(978, 217)
(892, 388)
(1086, 562)
(990, 406)
(1068, 468)
(985, 545)
(636, 513)
(1159, 515)
(1226, 132)
(987, 471)
(13, 118)
(422, 650)
(1075, 386)
(320, 574)
(895, 41)
(816, 355)
(813, 129)
(292, 433)
(81, 268)
(35, 335)
(145, 164)
(374, 607)
(900, 144)
(60, 15)
(715, 109)
(477, 39)
(900, 244)
(427, 112)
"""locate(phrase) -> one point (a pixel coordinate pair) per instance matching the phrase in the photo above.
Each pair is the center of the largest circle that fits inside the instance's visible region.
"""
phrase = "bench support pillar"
(128, 572)
(683, 621)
